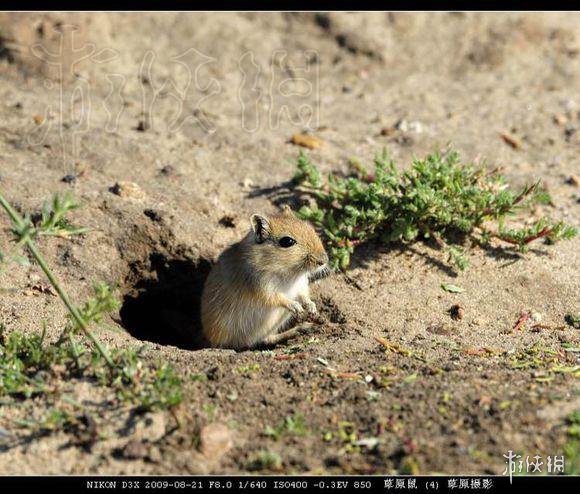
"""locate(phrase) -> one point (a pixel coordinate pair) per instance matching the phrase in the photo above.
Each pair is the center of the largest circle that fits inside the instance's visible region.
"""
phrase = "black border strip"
(286, 5)
(283, 484)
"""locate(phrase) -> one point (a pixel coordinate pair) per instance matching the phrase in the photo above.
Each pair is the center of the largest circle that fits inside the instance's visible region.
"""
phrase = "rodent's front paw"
(311, 307)
(295, 307)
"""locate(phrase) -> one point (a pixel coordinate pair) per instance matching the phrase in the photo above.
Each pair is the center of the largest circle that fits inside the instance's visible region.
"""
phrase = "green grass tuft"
(292, 425)
(264, 460)
(30, 366)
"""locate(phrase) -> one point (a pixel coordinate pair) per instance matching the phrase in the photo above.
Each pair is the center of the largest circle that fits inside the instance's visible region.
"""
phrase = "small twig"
(544, 232)
(342, 375)
(348, 242)
(493, 171)
(519, 198)
(294, 356)
(524, 316)
(438, 240)
(536, 328)
(393, 347)
(480, 352)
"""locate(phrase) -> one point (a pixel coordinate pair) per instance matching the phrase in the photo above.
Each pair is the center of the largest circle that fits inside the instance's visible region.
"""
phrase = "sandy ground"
(192, 109)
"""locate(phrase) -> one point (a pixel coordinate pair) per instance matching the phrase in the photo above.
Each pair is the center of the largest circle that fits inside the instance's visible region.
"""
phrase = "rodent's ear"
(287, 210)
(260, 226)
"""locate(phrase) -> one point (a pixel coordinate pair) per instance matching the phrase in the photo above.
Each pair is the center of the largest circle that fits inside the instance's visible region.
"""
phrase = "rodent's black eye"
(286, 242)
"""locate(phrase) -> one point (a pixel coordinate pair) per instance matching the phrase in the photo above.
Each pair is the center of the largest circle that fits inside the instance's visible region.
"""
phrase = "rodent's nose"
(323, 259)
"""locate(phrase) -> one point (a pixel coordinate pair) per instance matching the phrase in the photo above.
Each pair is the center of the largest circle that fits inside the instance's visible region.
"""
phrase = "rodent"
(260, 282)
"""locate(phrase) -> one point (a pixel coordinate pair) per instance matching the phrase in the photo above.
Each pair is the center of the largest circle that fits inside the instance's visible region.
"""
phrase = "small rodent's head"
(288, 244)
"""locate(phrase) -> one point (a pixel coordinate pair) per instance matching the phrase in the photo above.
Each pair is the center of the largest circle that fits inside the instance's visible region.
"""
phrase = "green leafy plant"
(54, 420)
(572, 455)
(573, 420)
(53, 221)
(25, 233)
(29, 365)
(572, 320)
(28, 362)
(264, 460)
(292, 425)
(437, 198)
(154, 386)
(23, 359)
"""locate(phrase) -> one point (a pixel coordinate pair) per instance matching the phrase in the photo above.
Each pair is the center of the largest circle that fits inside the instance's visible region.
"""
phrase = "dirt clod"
(228, 221)
(142, 126)
(456, 312)
(134, 450)
(215, 440)
(128, 190)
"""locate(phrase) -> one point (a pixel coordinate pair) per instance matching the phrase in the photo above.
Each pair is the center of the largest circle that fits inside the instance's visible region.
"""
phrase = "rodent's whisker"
(320, 273)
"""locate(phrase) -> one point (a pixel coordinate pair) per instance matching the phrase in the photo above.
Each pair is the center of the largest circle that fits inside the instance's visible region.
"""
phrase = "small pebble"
(406, 126)
(228, 221)
(560, 119)
(167, 170)
(457, 312)
(388, 131)
(440, 328)
(155, 455)
(247, 183)
(153, 215)
(142, 126)
(569, 131)
(536, 316)
(215, 440)
(129, 190)
(134, 450)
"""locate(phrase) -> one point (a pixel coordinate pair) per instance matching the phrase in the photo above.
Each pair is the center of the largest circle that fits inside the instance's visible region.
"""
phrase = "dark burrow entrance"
(164, 299)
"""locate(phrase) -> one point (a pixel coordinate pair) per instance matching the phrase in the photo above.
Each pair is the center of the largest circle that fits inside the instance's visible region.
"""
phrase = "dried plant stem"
(544, 232)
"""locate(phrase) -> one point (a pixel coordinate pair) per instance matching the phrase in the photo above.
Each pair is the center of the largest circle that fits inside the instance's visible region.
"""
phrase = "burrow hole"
(162, 302)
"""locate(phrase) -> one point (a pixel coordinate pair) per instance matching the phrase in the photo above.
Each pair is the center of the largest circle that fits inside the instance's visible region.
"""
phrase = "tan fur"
(256, 285)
